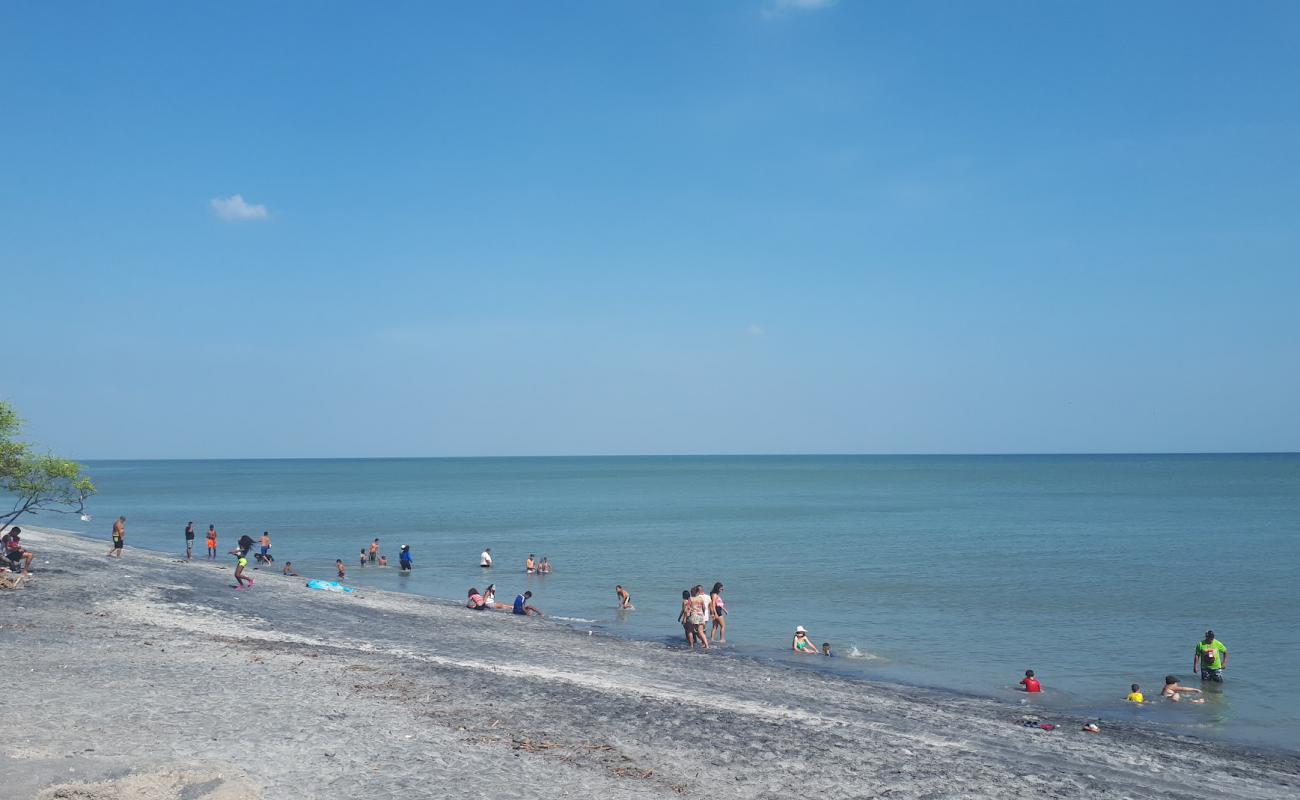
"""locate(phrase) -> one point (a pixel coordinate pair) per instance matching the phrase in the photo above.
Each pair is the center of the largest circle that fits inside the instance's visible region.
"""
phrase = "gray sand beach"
(152, 678)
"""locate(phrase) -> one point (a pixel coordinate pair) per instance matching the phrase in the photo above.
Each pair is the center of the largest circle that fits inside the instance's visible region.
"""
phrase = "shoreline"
(280, 691)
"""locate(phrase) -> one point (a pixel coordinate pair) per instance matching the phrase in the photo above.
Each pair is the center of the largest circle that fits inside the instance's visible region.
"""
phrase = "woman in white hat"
(801, 643)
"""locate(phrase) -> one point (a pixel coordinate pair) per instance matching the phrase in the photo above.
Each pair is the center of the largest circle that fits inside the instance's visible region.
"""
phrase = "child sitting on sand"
(1172, 690)
(1030, 683)
(1135, 694)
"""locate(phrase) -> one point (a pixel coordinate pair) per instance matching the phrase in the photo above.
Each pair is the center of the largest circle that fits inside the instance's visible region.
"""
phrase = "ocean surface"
(943, 571)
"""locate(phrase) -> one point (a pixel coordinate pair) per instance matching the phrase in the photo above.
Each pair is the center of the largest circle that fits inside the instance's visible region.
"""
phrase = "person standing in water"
(404, 558)
(624, 599)
(1210, 657)
(530, 566)
(485, 558)
(119, 538)
(718, 609)
(374, 550)
(212, 542)
(342, 569)
(189, 540)
(266, 546)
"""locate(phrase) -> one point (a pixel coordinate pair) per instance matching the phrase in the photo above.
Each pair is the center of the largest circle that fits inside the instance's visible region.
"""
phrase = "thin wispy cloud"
(754, 330)
(777, 8)
(236, 209)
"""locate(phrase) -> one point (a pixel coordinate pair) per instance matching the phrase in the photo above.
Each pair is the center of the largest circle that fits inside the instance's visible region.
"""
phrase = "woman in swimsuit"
(490, 598)
(476, 601)
(719, 609)
(688, 608)
(801, 643)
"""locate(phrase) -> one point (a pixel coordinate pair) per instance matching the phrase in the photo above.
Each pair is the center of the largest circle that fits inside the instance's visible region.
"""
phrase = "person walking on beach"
(119, 538)
(189, 540)
(212, 542)
(240, 565)
(1210, 657)
(718, 610)
(374, 550)
(624, 599)
(404, 558)
(245, 544)
(485, 558)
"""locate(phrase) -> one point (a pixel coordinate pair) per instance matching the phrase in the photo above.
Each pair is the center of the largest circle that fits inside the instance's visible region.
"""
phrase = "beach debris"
(1091, 727)
(631, 772)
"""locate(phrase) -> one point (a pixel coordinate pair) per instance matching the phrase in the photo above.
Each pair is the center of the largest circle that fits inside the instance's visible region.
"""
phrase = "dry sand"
(152, 678)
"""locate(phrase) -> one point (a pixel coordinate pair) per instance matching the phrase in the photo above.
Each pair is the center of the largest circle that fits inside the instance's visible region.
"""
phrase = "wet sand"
(152, 678)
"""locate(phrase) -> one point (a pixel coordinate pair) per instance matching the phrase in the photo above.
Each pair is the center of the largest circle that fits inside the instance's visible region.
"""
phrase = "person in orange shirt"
(212, 542)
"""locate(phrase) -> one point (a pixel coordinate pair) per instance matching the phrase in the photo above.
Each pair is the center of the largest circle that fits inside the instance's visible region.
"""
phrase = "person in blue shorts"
(522, 608)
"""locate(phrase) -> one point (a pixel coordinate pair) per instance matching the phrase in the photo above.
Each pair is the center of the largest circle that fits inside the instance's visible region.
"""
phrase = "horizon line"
(1078, 453)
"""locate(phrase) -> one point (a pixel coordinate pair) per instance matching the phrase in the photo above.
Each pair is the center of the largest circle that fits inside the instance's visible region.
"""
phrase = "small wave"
(854, 652)
(571, 619)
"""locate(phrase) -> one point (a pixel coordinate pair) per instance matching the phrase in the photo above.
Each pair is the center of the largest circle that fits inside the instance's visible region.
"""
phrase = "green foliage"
(36, 482)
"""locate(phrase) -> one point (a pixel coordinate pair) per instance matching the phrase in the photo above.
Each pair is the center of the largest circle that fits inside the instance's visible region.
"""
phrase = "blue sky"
(633, 227)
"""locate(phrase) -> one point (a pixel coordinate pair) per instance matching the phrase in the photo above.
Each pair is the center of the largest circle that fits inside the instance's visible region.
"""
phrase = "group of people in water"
(1209, 659)
(703, 615)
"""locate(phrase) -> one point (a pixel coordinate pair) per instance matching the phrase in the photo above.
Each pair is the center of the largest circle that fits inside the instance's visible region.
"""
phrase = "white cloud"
(754, 330)
(236, 209)
(776, 8)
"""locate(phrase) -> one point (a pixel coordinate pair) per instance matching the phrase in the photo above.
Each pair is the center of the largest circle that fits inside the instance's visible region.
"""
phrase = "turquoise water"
(1095, 571)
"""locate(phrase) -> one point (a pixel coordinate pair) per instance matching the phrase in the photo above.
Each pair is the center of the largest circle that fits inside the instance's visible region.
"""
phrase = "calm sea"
(960, 572)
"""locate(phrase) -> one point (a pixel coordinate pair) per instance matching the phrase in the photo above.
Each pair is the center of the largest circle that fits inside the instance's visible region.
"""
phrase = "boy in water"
(266, 545)
(624, 599)
(826, 649)
(1135, 694)
(1030, 683)
(1172, 690)
(383, 561)
(374, 550)
(288, 569)
(343, 571)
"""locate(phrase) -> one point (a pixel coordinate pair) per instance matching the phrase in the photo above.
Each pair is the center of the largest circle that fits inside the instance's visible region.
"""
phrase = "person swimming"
(1135, 694)
(1172, 691)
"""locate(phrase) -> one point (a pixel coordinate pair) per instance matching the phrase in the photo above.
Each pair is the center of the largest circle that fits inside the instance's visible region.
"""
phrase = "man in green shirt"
(1211, 657)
